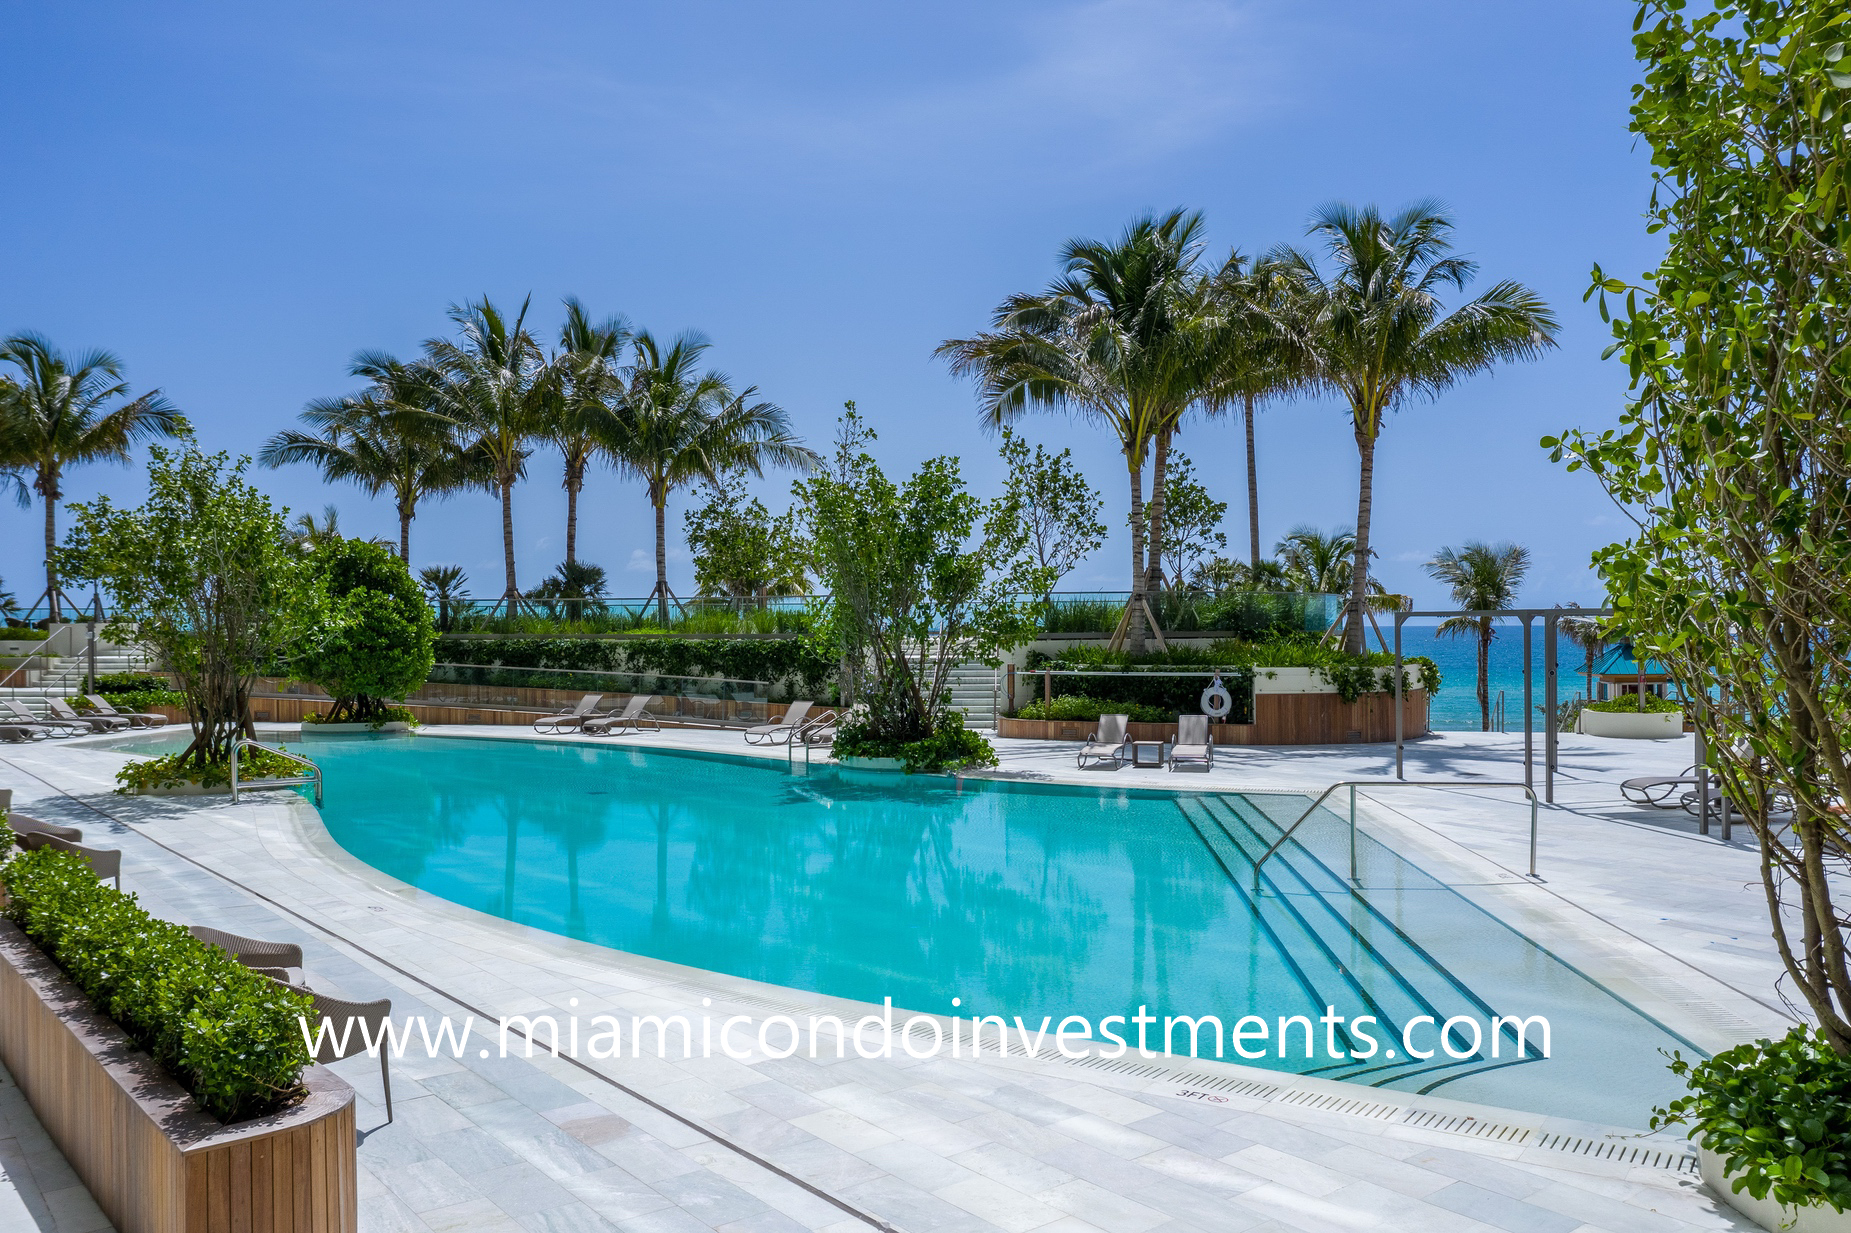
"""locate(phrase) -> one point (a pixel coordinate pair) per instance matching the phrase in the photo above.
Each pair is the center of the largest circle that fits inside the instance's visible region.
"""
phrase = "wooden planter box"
(154, 1162)
(1279, 719)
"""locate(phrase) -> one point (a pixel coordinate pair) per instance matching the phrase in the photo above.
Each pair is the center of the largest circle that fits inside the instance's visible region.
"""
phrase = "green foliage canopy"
(376, 638)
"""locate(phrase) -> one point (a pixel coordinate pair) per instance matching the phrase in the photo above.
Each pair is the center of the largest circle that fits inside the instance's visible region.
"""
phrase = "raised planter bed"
(152, 1159)
(872, 764)
(394, 725)
(1765, 1212)
(1631, 725)
(1279, 719)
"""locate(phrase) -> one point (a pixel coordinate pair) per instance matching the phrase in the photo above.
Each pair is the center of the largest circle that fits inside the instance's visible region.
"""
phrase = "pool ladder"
(1353, 784)
(311, 772)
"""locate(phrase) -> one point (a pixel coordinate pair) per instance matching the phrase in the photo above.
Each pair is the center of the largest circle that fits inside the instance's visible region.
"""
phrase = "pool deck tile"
(931, 1146)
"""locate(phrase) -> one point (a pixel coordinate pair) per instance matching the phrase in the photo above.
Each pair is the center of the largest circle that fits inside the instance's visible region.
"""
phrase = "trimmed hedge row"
(226, 1034)
(792, 664)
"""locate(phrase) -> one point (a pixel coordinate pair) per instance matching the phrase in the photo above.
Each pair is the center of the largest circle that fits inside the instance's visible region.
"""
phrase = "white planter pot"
(1765, 1212)
(1311, 680)
(872, 764)
(1631, 725)
(396, 725)
(185, 789)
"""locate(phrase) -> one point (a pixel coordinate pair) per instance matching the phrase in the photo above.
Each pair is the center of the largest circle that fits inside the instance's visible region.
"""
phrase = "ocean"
(1455, 707)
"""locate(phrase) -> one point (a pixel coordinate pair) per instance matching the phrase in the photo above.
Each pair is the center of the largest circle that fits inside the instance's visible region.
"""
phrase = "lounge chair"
(821, 730)
(1108, 741)
(267, 957)
(137, 719)
(104, 862)
(634, 714)
(19, 734)
(370, 1015)
(569, 718)
(1658, 791)
(785, 730)
(1194, 742)
(24, 825)
(15, 715)
(61, 711)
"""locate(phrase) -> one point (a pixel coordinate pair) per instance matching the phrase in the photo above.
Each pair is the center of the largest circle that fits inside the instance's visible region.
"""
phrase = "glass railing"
(720, 701)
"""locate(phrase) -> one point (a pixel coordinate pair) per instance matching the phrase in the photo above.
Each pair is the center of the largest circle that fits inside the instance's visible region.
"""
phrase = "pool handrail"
(312, 777)
(1353, 784)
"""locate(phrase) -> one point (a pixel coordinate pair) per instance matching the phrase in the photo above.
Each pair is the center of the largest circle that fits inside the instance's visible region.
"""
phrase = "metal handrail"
(313, 777)
(1353, 784)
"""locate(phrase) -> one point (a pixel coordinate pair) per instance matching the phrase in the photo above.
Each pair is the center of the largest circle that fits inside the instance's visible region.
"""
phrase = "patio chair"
(369, 1015)
(1107, 742)
(20, 734)
(104, 862)
(821, 730)
(1658, 791)
(785, 730)
(137, 719)
(569, 718)
(23, 824)
(1194, 742)
(634, 714)
(14, 714)
(269, 958)
(61, 711)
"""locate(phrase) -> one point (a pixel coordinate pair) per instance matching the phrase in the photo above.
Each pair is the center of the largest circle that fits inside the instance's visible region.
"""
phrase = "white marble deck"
(1635, 898)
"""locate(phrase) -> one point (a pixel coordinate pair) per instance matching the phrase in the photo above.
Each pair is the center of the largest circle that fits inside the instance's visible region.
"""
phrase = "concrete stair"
(974, 693)
(62, 676)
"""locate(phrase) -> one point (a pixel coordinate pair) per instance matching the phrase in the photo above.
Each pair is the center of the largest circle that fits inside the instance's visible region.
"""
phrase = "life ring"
(1216, 700)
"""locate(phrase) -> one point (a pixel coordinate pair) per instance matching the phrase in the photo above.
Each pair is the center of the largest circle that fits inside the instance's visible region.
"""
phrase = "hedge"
(228, 1035)
(793, 665)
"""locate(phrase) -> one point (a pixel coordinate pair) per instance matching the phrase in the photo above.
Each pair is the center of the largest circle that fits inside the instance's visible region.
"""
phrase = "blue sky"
(236, 198)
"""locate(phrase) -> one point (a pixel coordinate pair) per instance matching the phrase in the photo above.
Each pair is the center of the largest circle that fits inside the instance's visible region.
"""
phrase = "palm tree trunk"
(405, 516)
(1359, 580)
(1153, 572)
(661, 504)
(1484, 673)
(575, 480)
(1134, 629)
(513, 592)
(1253, 495)
(51, 547)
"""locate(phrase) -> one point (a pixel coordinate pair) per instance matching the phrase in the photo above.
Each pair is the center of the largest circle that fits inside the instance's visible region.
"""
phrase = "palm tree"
(63, 411)
(1374, 331)
(1483, 578)
(1126, 337)
(498, 389)
(385, 438)
(310, 535)
(1584, 632)
(587, 365)
(1316, 562)
(444, 586)
(673, 424)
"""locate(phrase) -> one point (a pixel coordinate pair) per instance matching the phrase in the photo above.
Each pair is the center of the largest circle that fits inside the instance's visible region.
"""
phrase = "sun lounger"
(634, 715)
(368, 1015)
(785, 730)
(1658, 791)
(1194, 742)
(1107, 742)
(104, 862)
(19, 734)
(820, 731)
(570, 718)
(13, 714)
(61, 710)
(251, 952)
(137, 719)
(24, 825)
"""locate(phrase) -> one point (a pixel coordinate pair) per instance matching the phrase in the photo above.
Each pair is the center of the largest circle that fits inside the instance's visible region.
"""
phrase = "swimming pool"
(1017, 899)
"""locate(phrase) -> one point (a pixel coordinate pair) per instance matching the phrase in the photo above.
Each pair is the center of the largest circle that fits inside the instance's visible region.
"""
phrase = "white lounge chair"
(15, 715)
(821, 730)
(785, 730)
(137, 719)
(62, 712)
(634, 715)
(572, 718)
(1108, 741)
(1194, 742)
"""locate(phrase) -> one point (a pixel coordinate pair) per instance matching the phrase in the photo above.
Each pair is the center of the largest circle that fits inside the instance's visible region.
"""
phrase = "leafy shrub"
(1353, 675)
(1777, 1111)
(23, 633)
(376, 643)
(228, 1035)
(1080, 706)
(1654, 705)
(379, 719)
(795, 667)
(951, 747)
(130, 683)
(174, 769)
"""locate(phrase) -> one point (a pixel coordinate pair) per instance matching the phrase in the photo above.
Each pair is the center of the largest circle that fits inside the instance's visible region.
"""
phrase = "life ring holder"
(1216, 700)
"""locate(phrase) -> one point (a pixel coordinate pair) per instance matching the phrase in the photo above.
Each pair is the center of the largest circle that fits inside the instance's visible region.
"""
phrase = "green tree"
(63, 411)
(206, 576)
(1482, 578)
(386, 439)
(1315, 561)
(588, 385)
(1733, 453)
(919, 580)
(740, 551)
(374, 642)
(1126, 338)
(1059, 510)
(446, 586)
(1194, 521)
(498, 389)
(674, 424)
(1373, 329)
(574, 589)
